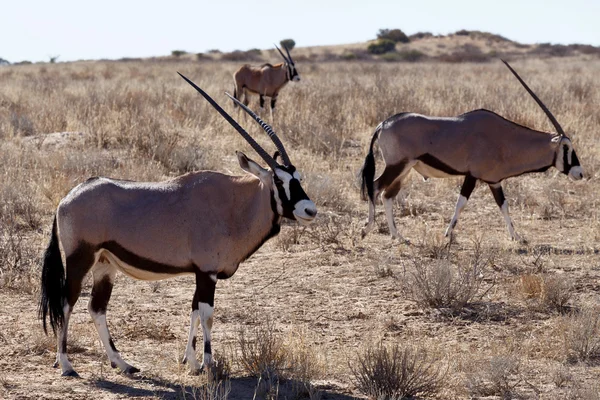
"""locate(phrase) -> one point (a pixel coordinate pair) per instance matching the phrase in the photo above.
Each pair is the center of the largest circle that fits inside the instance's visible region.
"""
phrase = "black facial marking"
(207, 349)
(468, 186)
(112, 344)
(296, 192)
(566, 165)
(143, 263)
(574, 160)
(436, 163)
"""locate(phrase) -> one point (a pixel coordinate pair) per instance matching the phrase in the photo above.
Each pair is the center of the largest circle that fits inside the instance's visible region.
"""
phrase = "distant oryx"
(264, 81)
(203, 223)
(479, 145)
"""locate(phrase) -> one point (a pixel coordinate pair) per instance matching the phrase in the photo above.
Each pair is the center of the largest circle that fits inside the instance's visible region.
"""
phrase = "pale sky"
(35, 30)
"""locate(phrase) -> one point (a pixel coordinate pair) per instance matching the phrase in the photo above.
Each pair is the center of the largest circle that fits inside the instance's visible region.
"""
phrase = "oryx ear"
(253, 168)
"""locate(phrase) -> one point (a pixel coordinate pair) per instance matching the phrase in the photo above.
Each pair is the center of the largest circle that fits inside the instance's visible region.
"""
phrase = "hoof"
(55, 365)
(71, 373)
(131, 370)
(196, 371)
(113, 364)
(184, 360)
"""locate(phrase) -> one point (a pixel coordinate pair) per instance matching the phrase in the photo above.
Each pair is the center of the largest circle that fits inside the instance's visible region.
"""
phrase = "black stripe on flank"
(143, 263)
(436, 163)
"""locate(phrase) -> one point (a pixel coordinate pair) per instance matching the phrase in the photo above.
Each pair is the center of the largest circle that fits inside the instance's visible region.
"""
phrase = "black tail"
(235, 95)
(368, 169)
(52, 296)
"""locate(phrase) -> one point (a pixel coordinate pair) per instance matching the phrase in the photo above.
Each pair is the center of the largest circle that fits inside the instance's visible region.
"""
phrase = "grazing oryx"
(264, 81)
(203, 223)
(479, 145)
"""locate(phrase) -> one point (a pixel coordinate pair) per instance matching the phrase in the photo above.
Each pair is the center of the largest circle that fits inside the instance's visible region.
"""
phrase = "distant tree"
(396, 35)
(381, 46)
(53, 59)
(178, 53)
(288, 43)
(214, 51)
(4, 62)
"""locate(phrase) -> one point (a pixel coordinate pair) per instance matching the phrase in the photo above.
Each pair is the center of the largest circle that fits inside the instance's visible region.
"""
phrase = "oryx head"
(565, 159)
(292, 72)
(289, 198)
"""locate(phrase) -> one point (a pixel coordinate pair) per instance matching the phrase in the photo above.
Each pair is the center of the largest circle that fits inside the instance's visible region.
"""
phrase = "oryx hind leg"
(78, 264)
(104, 276)
(465, 192)
(202, 313)
(388, 184)
(498, 193)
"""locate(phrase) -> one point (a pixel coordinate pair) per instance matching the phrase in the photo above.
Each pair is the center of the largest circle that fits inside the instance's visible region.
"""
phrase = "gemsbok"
(267, 80)
(203, 223)
(479, 145)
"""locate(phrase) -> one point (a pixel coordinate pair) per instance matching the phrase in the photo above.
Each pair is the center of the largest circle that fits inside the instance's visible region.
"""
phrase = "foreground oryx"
(267, 80)
(203, 223)
(479, 145)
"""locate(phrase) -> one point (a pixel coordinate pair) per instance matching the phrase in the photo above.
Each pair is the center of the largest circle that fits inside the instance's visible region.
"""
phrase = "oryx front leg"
(104, 275)
(465, 192)
(202, 312)
(498, 193)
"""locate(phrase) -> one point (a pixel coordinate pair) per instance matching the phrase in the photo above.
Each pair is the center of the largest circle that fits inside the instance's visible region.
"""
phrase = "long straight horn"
(288, 53)
(559, 128)
(261, 152)
(283, 55)
(267, 128)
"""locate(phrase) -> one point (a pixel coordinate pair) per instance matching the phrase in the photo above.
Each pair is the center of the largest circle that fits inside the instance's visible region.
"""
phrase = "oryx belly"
(144, 270)
(430, 172)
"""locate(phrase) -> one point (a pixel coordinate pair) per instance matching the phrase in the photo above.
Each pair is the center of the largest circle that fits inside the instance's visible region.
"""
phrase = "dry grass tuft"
(500, 376)
(263, 355)
(395, 372)
(580, 332)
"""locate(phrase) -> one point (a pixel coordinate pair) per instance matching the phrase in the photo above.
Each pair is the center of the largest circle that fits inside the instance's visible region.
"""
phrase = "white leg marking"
(389, 213)
(190, 352)
(509, 224)
(113, 356)
(61, 355)
(206, 314)
(460, 204)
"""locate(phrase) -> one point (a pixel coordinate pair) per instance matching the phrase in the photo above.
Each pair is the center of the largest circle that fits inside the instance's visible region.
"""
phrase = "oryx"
(266, 80)
(203, 223)
(479, 145)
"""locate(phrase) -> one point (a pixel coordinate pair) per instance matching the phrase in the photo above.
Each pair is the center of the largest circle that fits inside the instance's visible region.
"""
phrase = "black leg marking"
(207, 348)
(273, 100)
(468, 186)
(101, 295)
(205, 290)
(112, 345)
(389, 174)
(194, 342)
(498, 194)
(78, 265)
(262, 101)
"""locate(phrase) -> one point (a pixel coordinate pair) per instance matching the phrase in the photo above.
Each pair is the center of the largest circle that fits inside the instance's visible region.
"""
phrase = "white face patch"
(576, 173)
(305, 212)
(285, 178)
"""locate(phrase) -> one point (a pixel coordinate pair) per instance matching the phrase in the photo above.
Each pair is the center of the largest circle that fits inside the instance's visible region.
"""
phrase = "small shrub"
(581, 335)
(498, 377)
(288, 44)
(557, 292)
(397, 372)
(444, 284)
(395, 35)
(178, 53)
(531, 286)
(264, 356)
(381, 46)
(420, 35)
(214, 51)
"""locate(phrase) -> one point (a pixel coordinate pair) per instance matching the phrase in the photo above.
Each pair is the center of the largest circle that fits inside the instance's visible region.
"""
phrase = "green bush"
(381, 46)
(288, 43)
(395, 35)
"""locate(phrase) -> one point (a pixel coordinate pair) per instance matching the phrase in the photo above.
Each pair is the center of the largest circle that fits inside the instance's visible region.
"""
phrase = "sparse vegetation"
(327, 291)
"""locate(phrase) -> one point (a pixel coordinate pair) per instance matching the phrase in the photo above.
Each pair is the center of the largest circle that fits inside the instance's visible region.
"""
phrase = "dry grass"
(138, 120)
